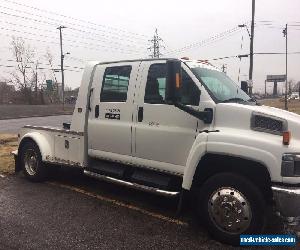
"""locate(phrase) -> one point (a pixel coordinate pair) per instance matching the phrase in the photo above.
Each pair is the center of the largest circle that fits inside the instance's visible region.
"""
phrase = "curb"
(28, 116)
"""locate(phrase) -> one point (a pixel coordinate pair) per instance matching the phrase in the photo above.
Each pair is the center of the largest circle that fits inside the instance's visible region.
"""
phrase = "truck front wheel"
(31, 162)
(230, 205)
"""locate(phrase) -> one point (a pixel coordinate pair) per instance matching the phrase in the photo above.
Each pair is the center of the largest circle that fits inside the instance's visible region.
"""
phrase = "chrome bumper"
(287, 200)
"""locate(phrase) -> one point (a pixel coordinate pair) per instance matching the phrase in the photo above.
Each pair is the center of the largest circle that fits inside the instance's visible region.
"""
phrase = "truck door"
(164, 134)
(111, 109)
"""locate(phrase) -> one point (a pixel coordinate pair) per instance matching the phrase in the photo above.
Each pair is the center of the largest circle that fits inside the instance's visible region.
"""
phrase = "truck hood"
(235, 115)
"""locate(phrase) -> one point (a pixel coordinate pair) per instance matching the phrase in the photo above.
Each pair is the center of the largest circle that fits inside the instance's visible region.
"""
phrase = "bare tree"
(291, 86)
(23, 74)
(6, 92)
(53, 95)
(296, 88)
(38, 78)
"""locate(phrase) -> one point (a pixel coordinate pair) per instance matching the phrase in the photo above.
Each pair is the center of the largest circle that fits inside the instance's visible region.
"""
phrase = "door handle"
(89, 100)
(140, 114)
(96, 111)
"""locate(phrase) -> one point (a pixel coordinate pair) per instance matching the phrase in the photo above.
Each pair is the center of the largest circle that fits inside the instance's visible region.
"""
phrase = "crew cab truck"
(176, 127)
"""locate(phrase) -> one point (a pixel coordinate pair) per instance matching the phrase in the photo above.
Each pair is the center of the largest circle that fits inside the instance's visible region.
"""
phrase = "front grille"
(297, 168)
(268, 124)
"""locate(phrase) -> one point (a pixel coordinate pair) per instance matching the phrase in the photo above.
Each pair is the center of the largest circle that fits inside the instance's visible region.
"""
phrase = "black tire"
(213, 208)
(31, 156)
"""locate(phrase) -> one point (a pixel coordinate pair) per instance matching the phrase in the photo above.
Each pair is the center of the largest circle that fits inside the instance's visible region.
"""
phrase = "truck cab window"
(115, 84)
(156, 84)
(189, 92)
(155, 92)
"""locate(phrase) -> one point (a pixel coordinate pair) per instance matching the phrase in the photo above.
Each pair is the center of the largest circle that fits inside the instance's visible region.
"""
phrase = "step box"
(137, 175)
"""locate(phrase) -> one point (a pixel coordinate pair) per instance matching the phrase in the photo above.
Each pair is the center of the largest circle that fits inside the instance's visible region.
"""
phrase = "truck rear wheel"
(31, 162)
(231, 205)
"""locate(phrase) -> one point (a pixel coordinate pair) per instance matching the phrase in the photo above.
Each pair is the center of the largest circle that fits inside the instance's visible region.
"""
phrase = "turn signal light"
(177, 81)
(286, 137)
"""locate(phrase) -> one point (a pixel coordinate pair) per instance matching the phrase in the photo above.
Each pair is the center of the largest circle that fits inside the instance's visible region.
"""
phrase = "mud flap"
(183, 197)
(16, 158)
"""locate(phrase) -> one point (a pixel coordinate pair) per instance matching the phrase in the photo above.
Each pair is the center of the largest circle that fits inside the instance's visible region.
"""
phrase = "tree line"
(26, 83)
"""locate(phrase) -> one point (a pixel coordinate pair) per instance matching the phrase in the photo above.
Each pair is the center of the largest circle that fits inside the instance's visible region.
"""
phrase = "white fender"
(256, 154)
(43, 142)
(195, 155)
(250, 153)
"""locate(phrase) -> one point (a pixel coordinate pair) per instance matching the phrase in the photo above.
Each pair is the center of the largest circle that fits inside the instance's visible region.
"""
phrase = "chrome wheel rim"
(229, 210)
(31, 162)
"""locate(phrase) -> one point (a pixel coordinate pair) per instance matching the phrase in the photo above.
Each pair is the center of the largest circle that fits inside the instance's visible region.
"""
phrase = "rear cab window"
(115, 84)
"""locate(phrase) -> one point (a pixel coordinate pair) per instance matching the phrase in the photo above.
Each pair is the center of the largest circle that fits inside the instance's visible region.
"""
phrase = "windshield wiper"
(236, 99)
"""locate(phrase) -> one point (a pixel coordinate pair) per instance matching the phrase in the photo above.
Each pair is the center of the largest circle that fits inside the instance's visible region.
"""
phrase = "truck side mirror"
(244, 86)
(173, 81)
(173, 87)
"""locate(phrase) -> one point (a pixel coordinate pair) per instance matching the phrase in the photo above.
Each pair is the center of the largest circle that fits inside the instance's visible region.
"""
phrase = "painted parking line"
(121, 204)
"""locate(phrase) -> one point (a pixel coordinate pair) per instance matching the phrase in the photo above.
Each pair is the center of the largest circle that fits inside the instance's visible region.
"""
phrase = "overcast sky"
(124, 27)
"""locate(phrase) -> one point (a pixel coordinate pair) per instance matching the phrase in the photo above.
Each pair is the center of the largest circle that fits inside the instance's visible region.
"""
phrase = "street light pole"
(265, 88)
(251, 47)
(36, 81)
(62, 66)
(286, 66)
(285, 34)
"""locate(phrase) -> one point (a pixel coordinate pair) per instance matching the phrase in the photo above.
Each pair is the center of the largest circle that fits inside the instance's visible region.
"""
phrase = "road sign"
(49, 85)
(276, 78)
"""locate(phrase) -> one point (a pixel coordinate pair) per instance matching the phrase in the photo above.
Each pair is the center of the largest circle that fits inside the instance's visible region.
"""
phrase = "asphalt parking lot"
(77, 212)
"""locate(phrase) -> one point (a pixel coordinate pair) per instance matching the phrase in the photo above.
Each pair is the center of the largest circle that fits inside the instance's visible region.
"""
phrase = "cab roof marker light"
(205, 62)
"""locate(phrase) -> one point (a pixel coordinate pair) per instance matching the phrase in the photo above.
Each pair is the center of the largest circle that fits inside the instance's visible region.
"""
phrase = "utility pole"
(299, 89)
(36, 81)
(285, 34)
(265, 88)
(224, 67)
(251, 48)
(62, 66)
(156, 41)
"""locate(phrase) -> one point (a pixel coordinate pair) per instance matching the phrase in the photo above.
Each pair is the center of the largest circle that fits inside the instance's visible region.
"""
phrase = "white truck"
(177, 127)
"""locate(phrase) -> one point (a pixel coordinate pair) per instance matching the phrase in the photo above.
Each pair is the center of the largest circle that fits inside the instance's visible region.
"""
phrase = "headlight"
(290, 166)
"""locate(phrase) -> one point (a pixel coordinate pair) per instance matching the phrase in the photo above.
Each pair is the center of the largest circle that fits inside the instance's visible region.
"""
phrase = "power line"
(273, 21)
(46, 64)
(41, 68)
(277, 53)
(218, 37)
(108, 48)
(75, 29)
(99, 35)
(93, 39)
(272, 26)
(71, 41)
(255, 53)
(76, 59)
(278, 24)
(127, 38)
(76, 19)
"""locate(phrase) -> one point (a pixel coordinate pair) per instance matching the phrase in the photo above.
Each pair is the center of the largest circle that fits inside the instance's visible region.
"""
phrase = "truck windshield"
(221, 86)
